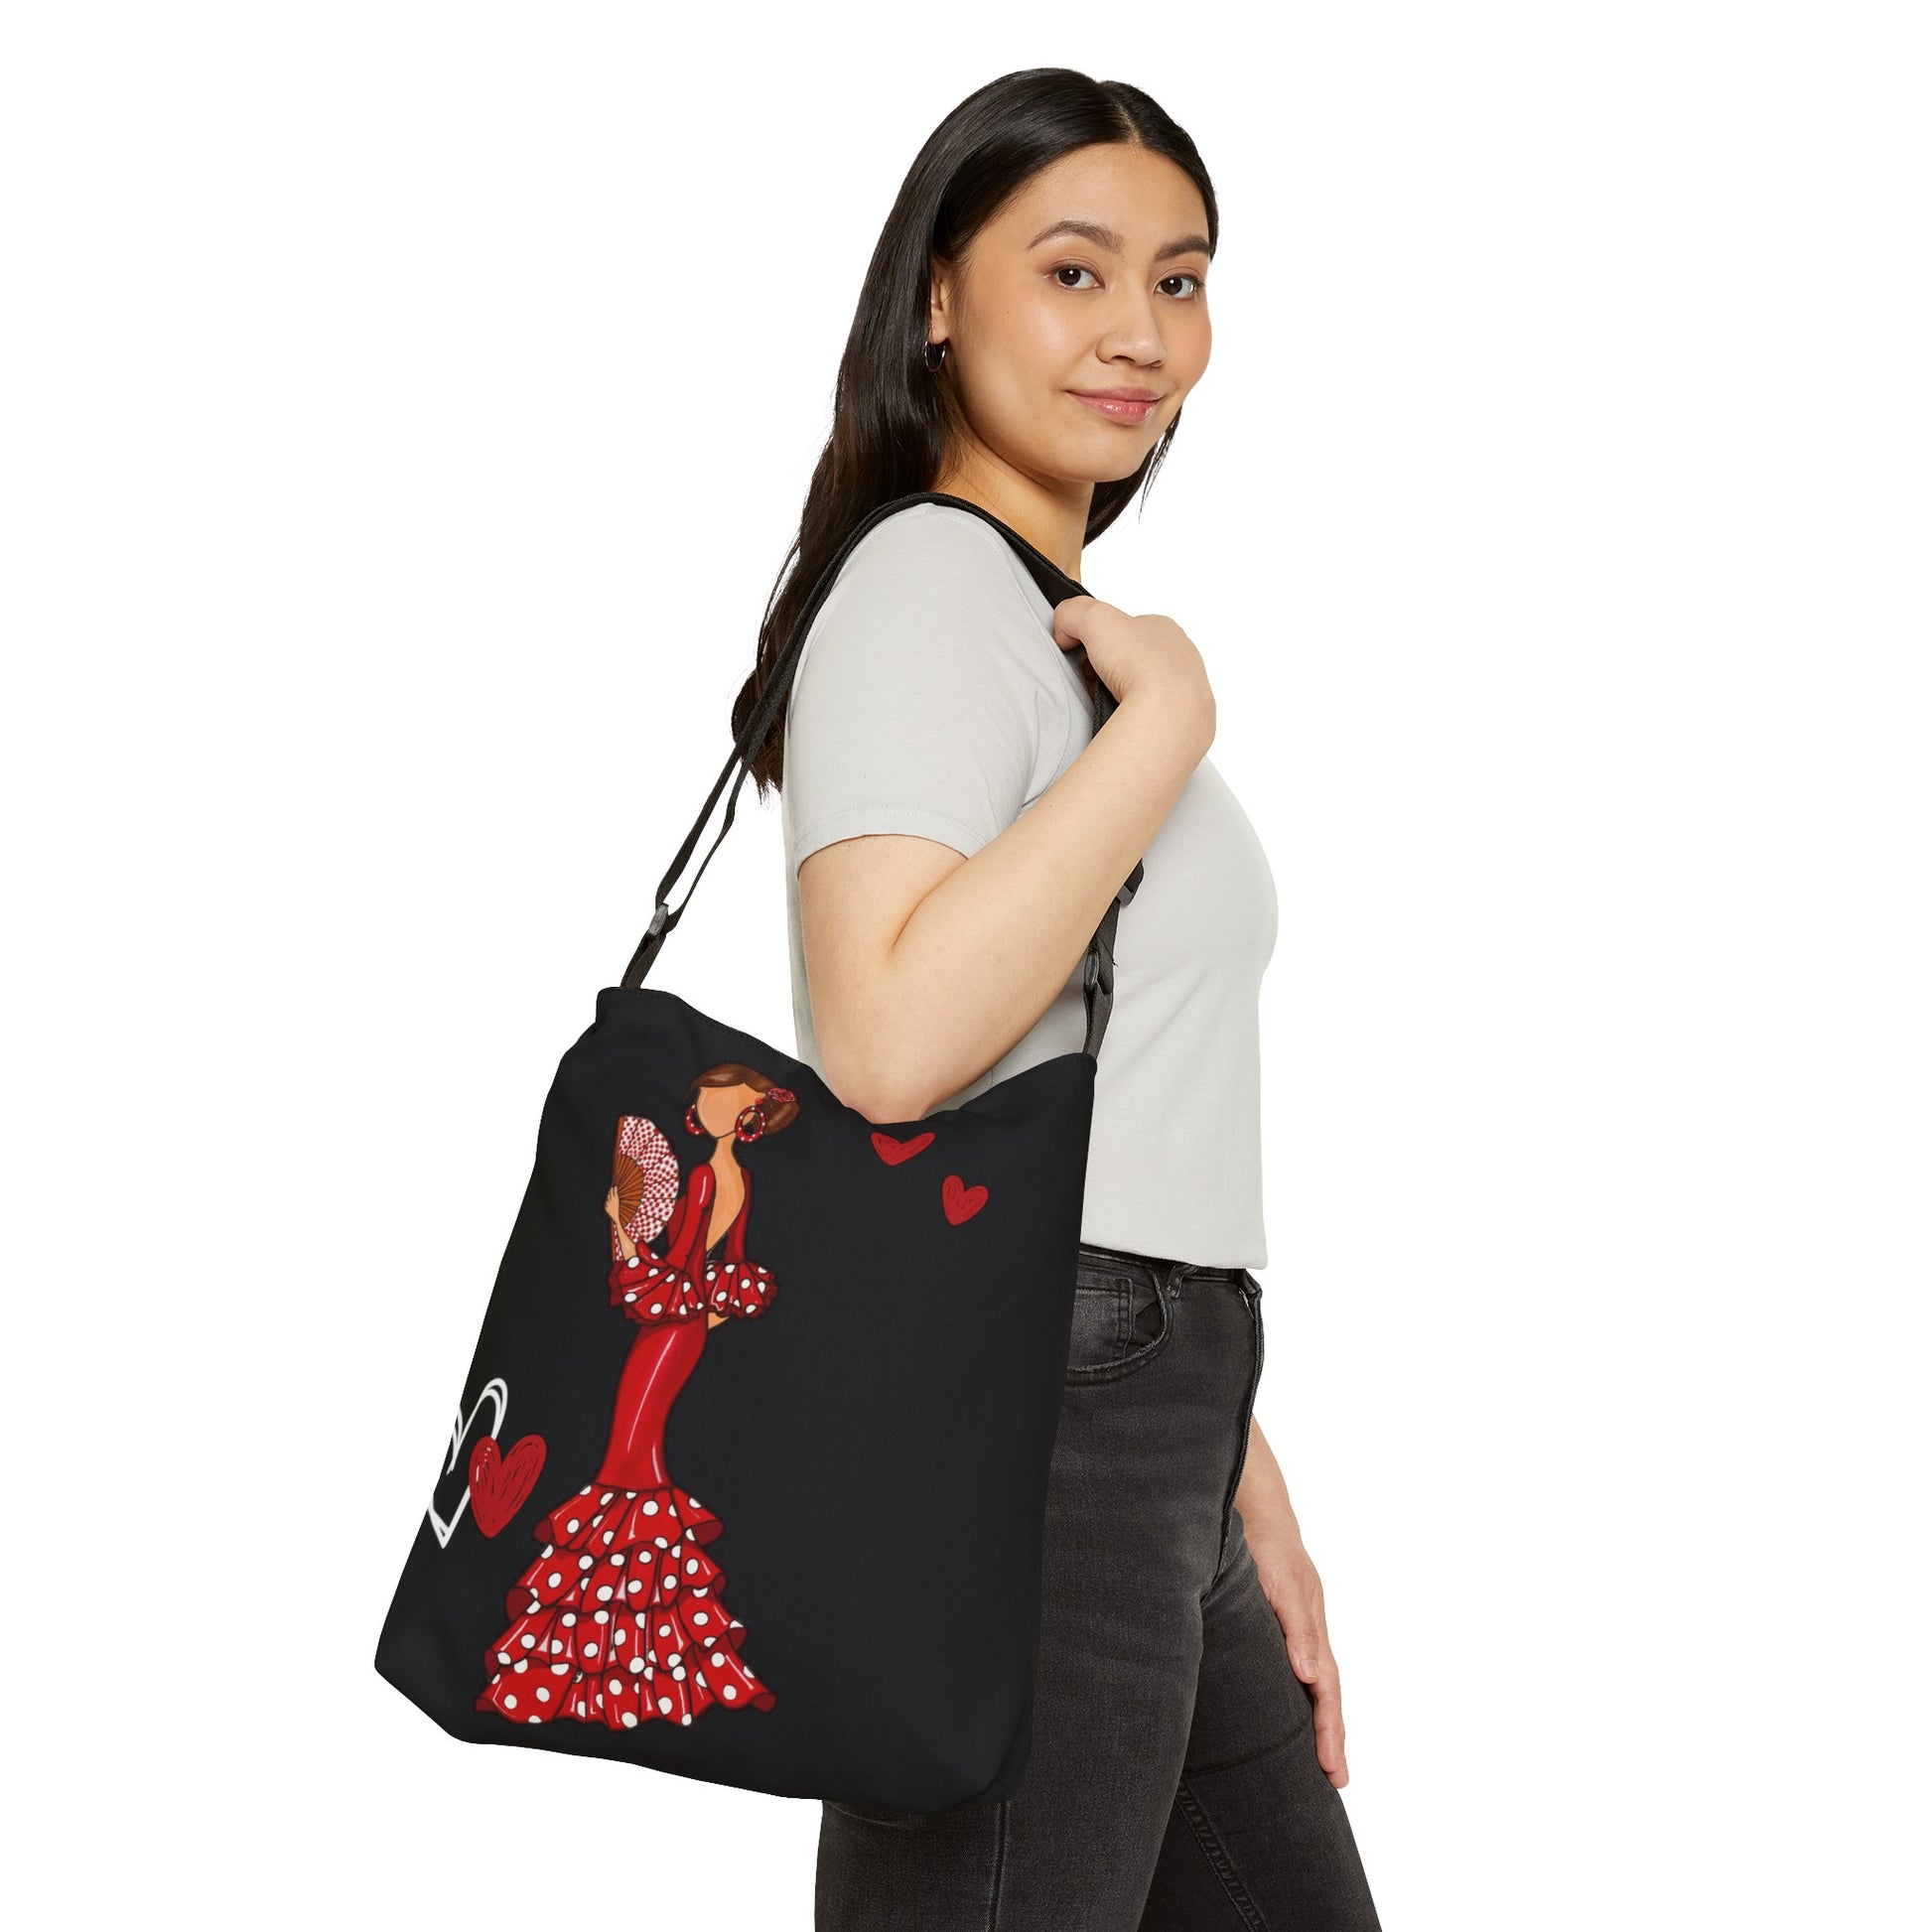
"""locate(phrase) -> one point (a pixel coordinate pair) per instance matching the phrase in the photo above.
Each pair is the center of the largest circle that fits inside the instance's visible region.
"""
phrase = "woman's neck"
(1051, 513)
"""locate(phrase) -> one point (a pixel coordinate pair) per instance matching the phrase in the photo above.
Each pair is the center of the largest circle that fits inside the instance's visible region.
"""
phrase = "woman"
(620, 1620)
(1033, 320)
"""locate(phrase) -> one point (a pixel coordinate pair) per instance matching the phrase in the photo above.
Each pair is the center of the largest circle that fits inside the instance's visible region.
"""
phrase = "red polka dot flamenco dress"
(621, 1618)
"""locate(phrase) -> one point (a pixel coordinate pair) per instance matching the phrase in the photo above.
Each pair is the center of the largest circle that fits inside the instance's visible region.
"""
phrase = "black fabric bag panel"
(876, 1443)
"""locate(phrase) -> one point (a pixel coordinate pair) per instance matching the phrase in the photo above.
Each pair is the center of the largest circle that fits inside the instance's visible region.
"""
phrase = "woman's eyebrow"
(1105, 238)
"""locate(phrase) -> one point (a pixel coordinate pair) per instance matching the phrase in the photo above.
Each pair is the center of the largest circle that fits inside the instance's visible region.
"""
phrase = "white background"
(405, 413)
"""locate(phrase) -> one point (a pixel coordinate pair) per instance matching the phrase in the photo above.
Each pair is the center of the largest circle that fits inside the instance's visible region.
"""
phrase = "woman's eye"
(1197, 284)
(1198, 287)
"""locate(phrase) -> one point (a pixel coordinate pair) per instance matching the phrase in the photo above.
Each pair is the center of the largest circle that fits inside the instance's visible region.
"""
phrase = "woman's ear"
(939, 305)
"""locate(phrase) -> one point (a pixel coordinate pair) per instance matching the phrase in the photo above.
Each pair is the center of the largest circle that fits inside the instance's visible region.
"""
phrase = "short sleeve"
(916, 705)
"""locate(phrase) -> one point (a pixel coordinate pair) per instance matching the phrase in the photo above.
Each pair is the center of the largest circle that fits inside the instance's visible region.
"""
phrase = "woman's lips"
(1119, 409)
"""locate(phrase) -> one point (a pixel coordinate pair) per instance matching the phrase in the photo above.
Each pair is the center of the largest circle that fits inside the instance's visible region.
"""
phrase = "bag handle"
(1097, 977)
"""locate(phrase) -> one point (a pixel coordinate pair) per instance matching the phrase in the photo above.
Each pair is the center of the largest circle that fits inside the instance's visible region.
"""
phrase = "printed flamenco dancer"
(621, 1618)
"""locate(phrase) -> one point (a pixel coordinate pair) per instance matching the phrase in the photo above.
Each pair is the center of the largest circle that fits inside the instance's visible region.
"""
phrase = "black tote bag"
(747, 1480)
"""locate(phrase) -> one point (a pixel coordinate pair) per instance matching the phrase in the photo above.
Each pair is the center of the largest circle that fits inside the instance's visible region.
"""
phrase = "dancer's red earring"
(757, 1114)
(691, 1119)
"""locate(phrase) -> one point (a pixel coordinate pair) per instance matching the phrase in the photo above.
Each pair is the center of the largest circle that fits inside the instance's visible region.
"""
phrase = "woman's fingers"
(1330, 1732)
(1315, 1664)
(1071, 616)
(1135, 653)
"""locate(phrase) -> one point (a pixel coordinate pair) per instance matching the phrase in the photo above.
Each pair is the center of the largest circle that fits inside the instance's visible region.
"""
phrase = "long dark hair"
(890, 414)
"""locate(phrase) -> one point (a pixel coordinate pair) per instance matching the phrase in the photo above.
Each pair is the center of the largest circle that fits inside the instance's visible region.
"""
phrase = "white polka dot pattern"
(643, 1142)
(651, 1290)
(621, 1618)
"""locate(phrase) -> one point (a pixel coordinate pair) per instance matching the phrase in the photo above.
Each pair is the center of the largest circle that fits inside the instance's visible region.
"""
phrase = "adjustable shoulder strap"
(1054, 583)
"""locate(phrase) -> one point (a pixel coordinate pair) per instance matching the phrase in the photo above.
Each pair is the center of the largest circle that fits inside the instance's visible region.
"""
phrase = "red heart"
(893, 1152)
(498, 1489)
(962, 1201)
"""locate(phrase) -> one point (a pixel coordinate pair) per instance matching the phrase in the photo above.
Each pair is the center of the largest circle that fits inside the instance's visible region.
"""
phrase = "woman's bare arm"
(925, 966)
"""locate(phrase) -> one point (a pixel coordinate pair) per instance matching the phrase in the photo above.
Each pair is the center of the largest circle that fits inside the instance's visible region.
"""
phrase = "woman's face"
(1092, 278)
(718, 1108)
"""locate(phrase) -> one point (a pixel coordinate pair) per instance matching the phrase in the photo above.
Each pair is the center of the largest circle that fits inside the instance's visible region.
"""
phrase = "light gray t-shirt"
(930, 698)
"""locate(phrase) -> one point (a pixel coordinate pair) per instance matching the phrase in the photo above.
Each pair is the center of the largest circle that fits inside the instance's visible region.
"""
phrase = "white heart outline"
(496, 1389)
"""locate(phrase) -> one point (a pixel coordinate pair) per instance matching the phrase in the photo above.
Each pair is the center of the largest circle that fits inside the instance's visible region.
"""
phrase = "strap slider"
(659, 921)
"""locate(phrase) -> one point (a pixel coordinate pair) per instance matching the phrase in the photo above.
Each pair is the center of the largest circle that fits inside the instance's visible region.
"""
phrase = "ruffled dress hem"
(621, 1618)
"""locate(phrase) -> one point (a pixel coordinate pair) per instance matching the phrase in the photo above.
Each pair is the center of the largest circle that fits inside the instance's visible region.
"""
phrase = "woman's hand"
(627, 1248)
(1294, 1593)
(1151, 656)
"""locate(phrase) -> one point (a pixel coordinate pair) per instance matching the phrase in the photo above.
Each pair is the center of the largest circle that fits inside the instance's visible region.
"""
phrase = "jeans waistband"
(1168, 1269)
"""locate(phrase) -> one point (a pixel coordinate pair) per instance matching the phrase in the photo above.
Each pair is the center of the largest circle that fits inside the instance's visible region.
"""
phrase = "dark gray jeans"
(1173, 1785)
